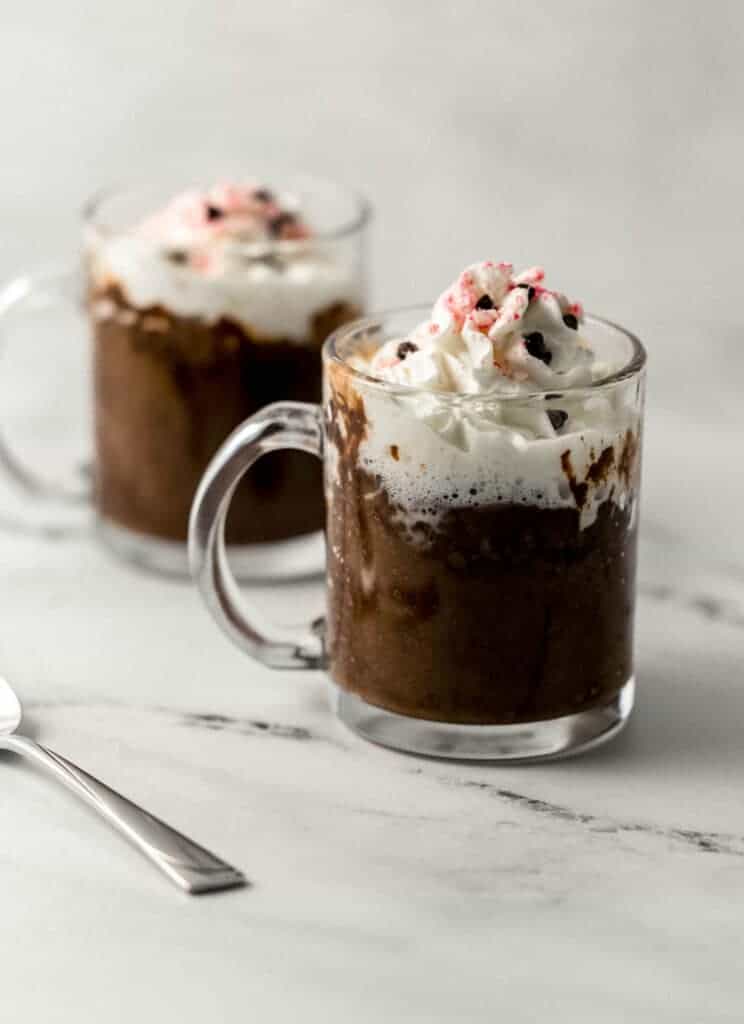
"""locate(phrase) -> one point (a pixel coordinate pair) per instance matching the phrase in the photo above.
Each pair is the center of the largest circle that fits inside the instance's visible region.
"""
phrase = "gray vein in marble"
(243, 726)
(212, 721)
(707, 606)
(705, 842)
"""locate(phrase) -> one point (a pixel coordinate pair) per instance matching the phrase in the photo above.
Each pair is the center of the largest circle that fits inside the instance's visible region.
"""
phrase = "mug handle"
(22, 298)
(296, 425)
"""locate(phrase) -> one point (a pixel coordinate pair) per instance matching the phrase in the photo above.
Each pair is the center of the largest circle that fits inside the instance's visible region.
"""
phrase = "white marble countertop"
(384, 887)
(603, 140)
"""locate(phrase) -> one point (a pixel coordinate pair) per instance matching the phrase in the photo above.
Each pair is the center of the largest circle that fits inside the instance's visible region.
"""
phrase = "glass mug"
(177, 366)
(471, 612)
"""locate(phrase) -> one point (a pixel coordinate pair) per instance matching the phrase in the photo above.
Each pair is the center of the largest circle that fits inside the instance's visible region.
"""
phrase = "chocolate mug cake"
(482, 559)
(203, 312)
(482, 475)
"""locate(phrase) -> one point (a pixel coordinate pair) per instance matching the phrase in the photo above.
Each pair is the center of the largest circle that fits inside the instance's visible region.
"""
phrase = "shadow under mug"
(456, 626)
(169, 386)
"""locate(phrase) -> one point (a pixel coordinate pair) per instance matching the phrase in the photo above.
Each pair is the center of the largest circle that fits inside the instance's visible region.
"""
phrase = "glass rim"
(93, 207)
(633, 367)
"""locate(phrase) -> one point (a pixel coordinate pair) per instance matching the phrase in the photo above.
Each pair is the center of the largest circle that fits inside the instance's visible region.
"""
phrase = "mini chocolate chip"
(557, 418)
(263, 195)
(282, 220)
(484, 302)
(405, 347)
(178, 256)
(530, 291)
(214, 212)
(269, 259)
(570, 321)
(537, 349)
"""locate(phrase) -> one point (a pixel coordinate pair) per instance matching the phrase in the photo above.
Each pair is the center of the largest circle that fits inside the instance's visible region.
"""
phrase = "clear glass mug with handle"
(467, 616)
(183, 349)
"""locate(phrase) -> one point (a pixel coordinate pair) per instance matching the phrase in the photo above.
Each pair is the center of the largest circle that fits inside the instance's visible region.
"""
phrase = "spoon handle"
(188, 865)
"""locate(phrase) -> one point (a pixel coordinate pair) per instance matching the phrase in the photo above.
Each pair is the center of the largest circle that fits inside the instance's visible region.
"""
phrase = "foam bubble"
(500, 465)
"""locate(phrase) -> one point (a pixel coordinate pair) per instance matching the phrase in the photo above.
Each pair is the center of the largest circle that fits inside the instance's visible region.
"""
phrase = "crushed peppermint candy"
(194, 225)
(493, 330)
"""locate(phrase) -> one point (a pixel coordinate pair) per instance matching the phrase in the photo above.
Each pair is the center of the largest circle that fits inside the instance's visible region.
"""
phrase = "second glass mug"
(170, 382)
(457, 626)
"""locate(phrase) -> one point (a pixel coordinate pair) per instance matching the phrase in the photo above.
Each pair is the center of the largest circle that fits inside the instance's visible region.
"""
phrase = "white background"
(602, 139)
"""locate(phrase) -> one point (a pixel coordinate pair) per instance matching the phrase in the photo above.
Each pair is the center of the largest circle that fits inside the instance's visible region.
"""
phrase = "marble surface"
(602, 139)
(384, 887)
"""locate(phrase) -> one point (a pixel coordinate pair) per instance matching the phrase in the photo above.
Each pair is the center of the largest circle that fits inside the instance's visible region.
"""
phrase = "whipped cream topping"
(466, 438)
(202, 227)
(239, 251)
(493, 331)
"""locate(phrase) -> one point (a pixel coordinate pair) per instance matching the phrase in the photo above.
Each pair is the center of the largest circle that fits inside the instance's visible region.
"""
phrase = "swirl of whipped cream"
(492, 338)
(239, 251)
(492, 331)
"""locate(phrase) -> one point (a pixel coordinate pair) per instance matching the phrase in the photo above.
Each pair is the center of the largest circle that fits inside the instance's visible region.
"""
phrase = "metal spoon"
(190, 866)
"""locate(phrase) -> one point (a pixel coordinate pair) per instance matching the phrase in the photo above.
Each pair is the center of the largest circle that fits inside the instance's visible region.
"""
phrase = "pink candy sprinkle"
(227, 209)
(230, 197)
(200, 260)
(385, 364)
